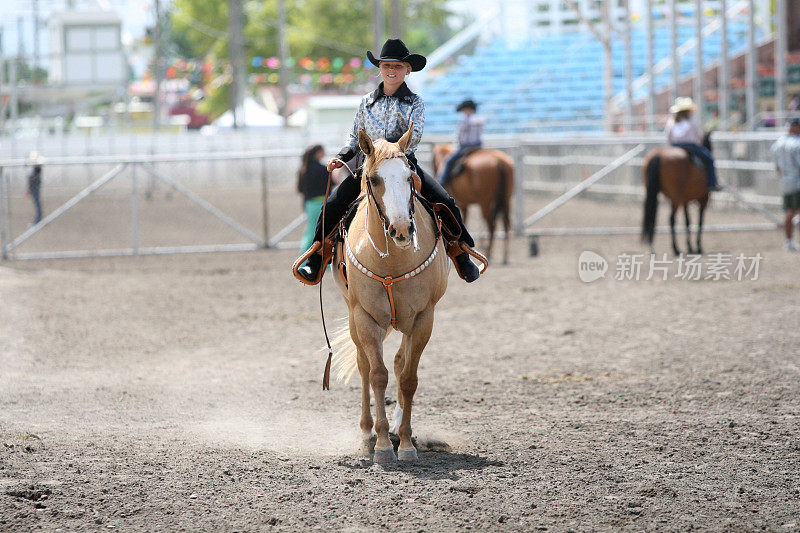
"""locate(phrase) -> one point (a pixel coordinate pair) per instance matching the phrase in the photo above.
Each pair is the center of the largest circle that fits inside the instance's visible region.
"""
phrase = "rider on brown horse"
(684, 133)
(387, 112)
(469, 138)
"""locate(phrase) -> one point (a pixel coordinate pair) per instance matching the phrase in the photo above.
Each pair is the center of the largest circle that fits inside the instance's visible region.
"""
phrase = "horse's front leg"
(370, 336)
(399, 361)
(688, 228)
(407, 379)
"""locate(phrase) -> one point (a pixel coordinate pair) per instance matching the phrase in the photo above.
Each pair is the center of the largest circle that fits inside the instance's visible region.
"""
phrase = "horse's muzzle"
(401, 235)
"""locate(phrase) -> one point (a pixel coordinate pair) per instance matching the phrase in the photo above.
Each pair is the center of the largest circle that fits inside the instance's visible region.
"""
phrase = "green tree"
(316, 28)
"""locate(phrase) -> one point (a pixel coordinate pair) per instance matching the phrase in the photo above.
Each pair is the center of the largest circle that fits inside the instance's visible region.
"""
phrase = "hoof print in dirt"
(466, 489)
(31, 443)
(31, 493)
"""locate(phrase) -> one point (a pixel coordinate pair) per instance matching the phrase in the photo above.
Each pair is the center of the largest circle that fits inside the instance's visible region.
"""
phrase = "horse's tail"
(501, 198)
(345, 354)
(651, 199)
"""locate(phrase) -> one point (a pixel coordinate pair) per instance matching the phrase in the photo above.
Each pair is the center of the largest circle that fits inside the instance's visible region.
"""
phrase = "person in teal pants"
(311, 182)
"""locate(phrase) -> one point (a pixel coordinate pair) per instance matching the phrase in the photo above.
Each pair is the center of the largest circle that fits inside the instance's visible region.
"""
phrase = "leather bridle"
(382, 217)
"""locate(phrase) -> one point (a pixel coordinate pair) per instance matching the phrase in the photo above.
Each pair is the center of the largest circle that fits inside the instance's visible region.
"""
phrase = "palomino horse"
(671, 171)
(397, 270)
(487, 180)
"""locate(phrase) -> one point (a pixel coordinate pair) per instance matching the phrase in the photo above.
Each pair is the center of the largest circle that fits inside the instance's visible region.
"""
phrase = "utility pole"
(676, 66)
(158, 67)
(236, 59)
(605, 40)
(699, 81)
(608, 66)
(750, 68)
(722, 100)
(284, 53)
(378, 12)
(17, 72)
(781, 47)
(651, 85)
(3, 97)
(628, 67)
(397, 19)
(35, 66)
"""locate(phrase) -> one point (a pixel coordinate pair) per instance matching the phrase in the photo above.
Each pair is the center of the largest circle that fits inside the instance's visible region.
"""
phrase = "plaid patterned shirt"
(387, 117)
(470, 130)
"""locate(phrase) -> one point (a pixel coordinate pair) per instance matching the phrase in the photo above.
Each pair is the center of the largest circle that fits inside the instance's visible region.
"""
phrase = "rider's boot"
(465, 268)
(318, 256)
(316, 260)
(310, 271)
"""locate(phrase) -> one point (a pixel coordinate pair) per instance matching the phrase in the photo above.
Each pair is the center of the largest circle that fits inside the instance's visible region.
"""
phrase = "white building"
(521, 19)
(86, 49)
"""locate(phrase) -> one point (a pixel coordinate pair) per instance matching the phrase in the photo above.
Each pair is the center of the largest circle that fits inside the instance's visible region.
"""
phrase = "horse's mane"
(383, 150)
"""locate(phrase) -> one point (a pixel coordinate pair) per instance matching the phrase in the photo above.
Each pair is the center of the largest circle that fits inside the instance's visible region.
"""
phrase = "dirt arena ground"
(183, 393)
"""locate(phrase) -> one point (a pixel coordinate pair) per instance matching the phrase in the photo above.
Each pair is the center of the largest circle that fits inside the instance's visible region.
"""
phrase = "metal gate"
(143, 173)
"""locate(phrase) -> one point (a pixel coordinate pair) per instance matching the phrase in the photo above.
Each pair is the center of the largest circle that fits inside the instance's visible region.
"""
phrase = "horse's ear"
(405, 140)
(365, 143)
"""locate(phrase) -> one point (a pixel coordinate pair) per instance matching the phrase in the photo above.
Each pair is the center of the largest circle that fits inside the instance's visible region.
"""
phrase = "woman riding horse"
(470, 130)
(683, 132)
(390, 283)
(387, 112)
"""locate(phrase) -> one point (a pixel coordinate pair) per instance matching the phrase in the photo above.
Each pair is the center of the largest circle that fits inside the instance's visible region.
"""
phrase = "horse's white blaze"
(397, 194)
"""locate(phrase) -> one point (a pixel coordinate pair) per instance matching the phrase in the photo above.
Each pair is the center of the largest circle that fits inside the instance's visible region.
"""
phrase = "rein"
(326, 376)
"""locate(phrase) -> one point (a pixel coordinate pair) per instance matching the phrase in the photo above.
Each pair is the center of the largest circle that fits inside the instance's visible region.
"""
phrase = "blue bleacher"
(553, 78)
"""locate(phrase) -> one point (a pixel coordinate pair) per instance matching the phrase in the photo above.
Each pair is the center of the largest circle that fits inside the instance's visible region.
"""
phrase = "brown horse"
(397, 270)
(487, 180)
(671, 171)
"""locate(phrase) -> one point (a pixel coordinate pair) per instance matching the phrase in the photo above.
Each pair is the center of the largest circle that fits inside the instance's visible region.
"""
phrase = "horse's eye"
(375, 182)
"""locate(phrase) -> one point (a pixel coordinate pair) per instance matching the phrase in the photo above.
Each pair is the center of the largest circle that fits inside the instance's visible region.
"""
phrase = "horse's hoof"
(384, 457)
(407, 455)
(365, 450)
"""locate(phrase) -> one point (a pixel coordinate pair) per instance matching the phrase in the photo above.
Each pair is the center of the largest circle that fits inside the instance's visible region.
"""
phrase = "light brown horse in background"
(671, 171)
(487, 180)
(392, 240)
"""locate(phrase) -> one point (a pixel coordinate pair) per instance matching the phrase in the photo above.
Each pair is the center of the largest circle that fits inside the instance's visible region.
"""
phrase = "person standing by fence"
(787, 162)
(35, 184)
(311, 182)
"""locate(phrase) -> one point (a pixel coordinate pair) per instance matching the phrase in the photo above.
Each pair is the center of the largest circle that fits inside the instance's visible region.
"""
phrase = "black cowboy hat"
(467, 104)
(396, 50)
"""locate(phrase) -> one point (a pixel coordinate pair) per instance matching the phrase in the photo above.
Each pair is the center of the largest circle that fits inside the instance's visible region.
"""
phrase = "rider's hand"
(334, 163)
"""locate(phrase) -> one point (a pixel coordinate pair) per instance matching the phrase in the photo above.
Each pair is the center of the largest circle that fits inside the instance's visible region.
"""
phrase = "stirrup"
(316, 248)
(454, 249)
